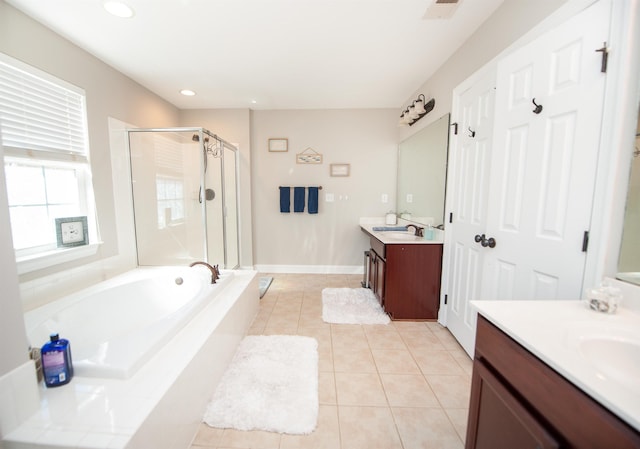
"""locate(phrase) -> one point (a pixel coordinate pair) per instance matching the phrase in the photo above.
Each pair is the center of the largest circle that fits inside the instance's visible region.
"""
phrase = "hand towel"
(285, 195)
(298, 199)
(312, 201)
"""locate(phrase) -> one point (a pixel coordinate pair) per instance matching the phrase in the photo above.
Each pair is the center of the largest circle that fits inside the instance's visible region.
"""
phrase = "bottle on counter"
(57, 365)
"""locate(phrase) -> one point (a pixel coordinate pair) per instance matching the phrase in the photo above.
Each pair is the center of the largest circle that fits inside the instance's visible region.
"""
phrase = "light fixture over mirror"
(416, 111)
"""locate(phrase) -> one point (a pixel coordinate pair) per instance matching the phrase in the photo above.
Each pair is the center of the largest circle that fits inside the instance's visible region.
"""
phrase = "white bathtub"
(114, 327)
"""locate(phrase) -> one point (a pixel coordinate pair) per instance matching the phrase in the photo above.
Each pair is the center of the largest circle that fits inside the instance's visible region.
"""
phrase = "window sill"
(39, 261)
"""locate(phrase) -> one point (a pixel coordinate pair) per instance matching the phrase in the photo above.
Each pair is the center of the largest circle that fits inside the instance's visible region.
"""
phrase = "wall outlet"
(409, 198)
(384, 198)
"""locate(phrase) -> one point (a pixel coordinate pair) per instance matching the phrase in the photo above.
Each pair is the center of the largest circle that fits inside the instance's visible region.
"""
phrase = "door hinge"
(450, 217)
(455, 128)
(605, 57)
(585, 241)
(446, 299)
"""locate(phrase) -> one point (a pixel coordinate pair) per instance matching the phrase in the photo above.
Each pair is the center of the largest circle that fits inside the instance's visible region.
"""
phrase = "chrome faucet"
(419, 231)
(215, 274)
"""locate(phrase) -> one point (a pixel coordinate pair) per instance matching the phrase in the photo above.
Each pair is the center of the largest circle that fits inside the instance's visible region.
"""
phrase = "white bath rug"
(352, 306)
(271, 384)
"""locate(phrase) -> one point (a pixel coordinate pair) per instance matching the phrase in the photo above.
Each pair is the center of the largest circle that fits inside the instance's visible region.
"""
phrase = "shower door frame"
(201, 133)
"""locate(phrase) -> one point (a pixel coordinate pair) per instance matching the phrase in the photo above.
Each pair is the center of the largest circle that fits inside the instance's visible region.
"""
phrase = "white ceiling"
(280, 54)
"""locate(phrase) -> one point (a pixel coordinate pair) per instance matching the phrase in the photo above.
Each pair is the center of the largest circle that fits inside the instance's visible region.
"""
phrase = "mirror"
(422, 173)
(629, 262)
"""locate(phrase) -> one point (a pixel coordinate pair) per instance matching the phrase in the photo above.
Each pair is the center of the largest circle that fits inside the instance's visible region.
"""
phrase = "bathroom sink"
(614, 354)
(399, 235)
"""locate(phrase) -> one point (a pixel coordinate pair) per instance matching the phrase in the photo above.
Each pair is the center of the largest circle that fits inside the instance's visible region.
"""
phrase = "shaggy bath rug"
(352, 306)
(271, 384)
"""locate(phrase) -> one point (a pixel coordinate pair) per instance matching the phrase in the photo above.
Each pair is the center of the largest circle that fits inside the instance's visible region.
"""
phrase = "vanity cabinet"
(517, 401)
(406, 279)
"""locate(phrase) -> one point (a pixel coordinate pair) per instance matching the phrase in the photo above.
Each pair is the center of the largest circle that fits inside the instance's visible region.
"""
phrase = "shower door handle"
(209, 194)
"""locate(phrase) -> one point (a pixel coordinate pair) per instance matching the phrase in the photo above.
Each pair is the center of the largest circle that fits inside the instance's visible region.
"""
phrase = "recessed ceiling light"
(254, 102)
(118, 9)
(187, 92)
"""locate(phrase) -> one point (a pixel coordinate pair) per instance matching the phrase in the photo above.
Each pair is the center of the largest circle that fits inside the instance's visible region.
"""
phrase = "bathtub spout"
(214, 272)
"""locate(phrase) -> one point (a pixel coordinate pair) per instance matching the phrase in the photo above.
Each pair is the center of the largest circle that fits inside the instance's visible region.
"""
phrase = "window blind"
(40, 115)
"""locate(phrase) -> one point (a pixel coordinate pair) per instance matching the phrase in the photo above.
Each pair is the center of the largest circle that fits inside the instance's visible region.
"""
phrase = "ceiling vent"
(441, 9)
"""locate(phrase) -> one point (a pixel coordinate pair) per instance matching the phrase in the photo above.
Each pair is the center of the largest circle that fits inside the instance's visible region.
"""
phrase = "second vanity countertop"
(401, 237)
(568, 337)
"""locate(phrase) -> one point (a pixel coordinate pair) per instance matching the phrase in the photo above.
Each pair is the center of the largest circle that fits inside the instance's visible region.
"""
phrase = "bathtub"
(115, 327)
(161, 405)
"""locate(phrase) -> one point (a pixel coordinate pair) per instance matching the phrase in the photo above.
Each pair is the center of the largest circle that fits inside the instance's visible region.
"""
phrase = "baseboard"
(311, 269)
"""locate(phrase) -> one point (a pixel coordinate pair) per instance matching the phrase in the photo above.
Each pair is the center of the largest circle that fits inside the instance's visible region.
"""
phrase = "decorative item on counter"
(405, 215)
(391, 218)
(428, 233)
(604, 299)
(56, 361)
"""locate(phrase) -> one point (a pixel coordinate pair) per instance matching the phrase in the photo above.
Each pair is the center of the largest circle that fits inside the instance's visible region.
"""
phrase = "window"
(43, 129)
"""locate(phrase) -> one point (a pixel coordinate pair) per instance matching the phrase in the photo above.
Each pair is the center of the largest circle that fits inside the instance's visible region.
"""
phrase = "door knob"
(484, 241)
(490, 242)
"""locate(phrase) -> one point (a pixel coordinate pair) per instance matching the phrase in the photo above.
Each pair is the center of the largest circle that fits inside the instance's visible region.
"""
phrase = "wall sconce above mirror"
(416, 111)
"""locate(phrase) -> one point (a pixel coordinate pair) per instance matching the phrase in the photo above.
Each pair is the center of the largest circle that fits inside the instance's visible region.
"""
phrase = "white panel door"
(469, 159)
(544, 162)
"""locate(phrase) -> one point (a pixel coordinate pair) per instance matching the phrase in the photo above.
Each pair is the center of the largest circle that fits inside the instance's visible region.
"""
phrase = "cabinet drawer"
(378, 247)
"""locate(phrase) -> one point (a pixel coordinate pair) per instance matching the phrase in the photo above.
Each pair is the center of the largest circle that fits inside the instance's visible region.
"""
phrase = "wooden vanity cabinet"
(406, 279)
(517, 401)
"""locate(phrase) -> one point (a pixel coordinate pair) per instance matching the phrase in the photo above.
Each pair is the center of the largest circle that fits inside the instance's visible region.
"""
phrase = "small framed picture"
(278, 145)
(340, 169)
(72, 231)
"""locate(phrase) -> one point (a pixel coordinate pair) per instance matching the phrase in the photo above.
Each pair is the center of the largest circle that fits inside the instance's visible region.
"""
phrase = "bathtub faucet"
(214, 271)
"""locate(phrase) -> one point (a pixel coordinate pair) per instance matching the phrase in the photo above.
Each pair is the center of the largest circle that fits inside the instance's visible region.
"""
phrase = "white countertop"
(559, 332)
(393, 237)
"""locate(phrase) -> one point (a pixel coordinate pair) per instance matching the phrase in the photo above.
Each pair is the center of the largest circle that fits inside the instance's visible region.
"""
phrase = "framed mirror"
(629, 261)
(422, 174)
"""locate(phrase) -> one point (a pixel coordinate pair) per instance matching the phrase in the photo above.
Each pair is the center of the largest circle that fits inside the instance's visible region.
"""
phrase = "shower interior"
(184, 185)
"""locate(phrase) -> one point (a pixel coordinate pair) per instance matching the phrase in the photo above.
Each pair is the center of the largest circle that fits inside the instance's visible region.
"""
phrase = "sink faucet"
(419, 231)
(214, 271)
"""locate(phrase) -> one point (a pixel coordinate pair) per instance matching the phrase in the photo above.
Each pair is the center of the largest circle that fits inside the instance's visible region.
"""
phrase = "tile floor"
(405, 385)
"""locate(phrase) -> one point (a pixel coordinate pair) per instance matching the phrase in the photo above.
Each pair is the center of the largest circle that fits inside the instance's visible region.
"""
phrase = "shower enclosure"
(185, 197)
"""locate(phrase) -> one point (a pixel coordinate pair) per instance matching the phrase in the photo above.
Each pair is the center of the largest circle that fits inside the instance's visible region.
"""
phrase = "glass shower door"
(230, 164)
(168, 209)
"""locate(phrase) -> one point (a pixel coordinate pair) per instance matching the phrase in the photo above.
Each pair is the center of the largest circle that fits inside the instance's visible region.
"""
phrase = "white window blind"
(41, 116)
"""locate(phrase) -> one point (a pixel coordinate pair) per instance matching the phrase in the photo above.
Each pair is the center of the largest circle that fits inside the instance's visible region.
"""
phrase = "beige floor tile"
(360, 389)
(325, 436)
(207, 436)
(426, 428)
(459, 417)
(383, 337)
(451, 391)
(367, 428)
(437, 362)
(254, 439)
(358, 360)
(327, 388)
(398, 361)
(408, 390)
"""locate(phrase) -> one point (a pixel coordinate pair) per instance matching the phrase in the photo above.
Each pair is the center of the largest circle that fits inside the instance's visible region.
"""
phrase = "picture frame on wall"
(72, 231)
(340, 169)
(278, 145)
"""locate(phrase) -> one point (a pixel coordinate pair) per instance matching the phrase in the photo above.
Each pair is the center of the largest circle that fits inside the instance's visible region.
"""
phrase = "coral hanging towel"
(312, 206)
(285, 198)
(298, 199)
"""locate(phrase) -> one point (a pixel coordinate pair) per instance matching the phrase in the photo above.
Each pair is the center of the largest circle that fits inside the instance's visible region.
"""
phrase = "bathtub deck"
(161, 405)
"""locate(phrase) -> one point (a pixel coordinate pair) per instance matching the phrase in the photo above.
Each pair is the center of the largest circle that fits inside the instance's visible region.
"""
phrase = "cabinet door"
(380, 280)
(499, 420)
(372, 270)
